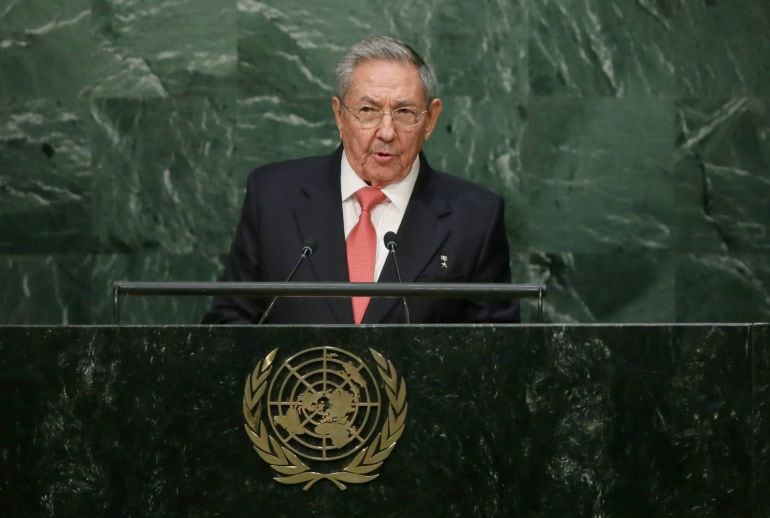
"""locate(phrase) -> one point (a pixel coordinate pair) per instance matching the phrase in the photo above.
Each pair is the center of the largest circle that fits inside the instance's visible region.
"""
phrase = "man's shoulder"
(292, 170)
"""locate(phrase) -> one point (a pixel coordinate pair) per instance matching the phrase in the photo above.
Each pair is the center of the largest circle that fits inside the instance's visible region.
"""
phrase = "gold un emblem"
(326, 416)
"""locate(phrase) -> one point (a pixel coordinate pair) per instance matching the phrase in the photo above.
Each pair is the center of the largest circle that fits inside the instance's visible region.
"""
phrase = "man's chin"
(383, 176)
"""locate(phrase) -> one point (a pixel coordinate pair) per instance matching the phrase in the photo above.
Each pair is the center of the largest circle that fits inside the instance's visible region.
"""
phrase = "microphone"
(307, 250)
(391, 243)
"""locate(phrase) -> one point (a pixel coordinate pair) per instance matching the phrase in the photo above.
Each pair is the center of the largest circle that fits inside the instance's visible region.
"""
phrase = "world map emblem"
(324, 414)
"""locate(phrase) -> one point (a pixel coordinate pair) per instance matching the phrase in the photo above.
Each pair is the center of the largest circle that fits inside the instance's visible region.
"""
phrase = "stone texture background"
(631, 140)
(583, 421)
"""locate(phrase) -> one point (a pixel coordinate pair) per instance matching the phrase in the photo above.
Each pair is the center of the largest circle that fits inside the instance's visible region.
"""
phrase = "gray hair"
(383, 48)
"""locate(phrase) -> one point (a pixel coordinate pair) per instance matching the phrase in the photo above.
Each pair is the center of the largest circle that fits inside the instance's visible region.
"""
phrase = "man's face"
(384, 154)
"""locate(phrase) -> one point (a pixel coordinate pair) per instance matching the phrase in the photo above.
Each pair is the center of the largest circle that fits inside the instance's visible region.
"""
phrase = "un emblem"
(324, 407)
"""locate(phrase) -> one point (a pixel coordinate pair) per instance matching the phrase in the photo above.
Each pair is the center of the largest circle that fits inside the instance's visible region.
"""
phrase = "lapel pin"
(444, 262)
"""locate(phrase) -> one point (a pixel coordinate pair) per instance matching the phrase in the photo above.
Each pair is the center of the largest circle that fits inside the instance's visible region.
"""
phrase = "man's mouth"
(384, 158)
(383, 154)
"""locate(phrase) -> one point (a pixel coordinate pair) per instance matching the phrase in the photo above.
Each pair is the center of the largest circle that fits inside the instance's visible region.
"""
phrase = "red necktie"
(362, 246)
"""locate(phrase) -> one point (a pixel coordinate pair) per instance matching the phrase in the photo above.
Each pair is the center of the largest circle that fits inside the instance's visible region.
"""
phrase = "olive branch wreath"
(291, 468)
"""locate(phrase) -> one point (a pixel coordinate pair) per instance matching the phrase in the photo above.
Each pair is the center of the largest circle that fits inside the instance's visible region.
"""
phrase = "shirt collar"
(398, 193)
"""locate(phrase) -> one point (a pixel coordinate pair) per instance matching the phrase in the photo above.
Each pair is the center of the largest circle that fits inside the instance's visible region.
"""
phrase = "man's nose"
(386, 130)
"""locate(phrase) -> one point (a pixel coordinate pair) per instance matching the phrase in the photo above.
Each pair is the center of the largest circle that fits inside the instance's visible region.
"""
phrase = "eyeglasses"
(370, 116)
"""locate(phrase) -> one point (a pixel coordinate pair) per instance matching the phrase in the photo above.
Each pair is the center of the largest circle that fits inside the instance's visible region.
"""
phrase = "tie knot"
(369, 197)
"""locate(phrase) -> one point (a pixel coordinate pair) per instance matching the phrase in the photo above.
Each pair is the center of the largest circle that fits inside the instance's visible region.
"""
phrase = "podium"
(503, 420)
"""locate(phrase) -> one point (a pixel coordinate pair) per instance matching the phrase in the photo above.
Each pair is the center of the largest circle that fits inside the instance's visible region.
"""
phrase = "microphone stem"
(398, 276)
(305, 252)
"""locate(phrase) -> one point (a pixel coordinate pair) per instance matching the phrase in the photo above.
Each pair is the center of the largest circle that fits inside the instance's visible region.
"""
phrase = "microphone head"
(311, 244)
(391, 241)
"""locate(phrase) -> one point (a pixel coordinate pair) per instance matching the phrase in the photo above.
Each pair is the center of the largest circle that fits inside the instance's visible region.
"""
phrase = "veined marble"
(630, 140)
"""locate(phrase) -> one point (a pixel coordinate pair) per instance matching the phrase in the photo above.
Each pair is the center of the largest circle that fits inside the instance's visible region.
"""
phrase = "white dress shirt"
(386, 216)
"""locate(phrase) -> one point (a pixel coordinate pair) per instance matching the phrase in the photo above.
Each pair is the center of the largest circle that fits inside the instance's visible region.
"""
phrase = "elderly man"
(377, 181)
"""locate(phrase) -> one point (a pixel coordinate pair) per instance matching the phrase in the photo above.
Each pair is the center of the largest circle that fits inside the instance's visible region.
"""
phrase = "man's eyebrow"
(398, 104)
(368, 100)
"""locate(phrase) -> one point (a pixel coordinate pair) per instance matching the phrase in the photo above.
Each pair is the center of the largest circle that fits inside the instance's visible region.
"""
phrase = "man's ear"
(434, 110)
(336, 107)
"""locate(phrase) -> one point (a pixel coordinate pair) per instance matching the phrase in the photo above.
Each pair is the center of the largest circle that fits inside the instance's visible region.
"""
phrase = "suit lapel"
(421, 233)
(319, 216)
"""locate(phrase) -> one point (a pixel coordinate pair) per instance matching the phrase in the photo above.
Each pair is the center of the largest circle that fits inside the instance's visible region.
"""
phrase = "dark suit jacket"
(289, 203)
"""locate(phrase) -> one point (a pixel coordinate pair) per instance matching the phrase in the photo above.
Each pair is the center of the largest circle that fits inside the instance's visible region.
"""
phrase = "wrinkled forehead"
(379, 80)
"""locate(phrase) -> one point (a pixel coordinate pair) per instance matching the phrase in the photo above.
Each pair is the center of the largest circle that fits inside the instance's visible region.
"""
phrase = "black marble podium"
(641, 420)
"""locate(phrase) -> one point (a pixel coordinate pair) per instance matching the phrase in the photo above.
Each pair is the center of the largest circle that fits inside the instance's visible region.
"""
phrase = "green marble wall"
(630, 139)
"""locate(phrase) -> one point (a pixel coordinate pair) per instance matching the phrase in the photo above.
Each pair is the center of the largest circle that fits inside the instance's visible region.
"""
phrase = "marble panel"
(45, 177)
(287, 51)
(290, 48)
(706, 418)
(722, 288)
(594, 47)
(163, 179)
(45, 289)
(273, 129)
(760, 351)
(188, 47)
(682, 413)
(477, 50)
(569, 405)
(55, 49)
(599, 288)
(723, 175)
(632, 422)
(598, 174)
(720, 47)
